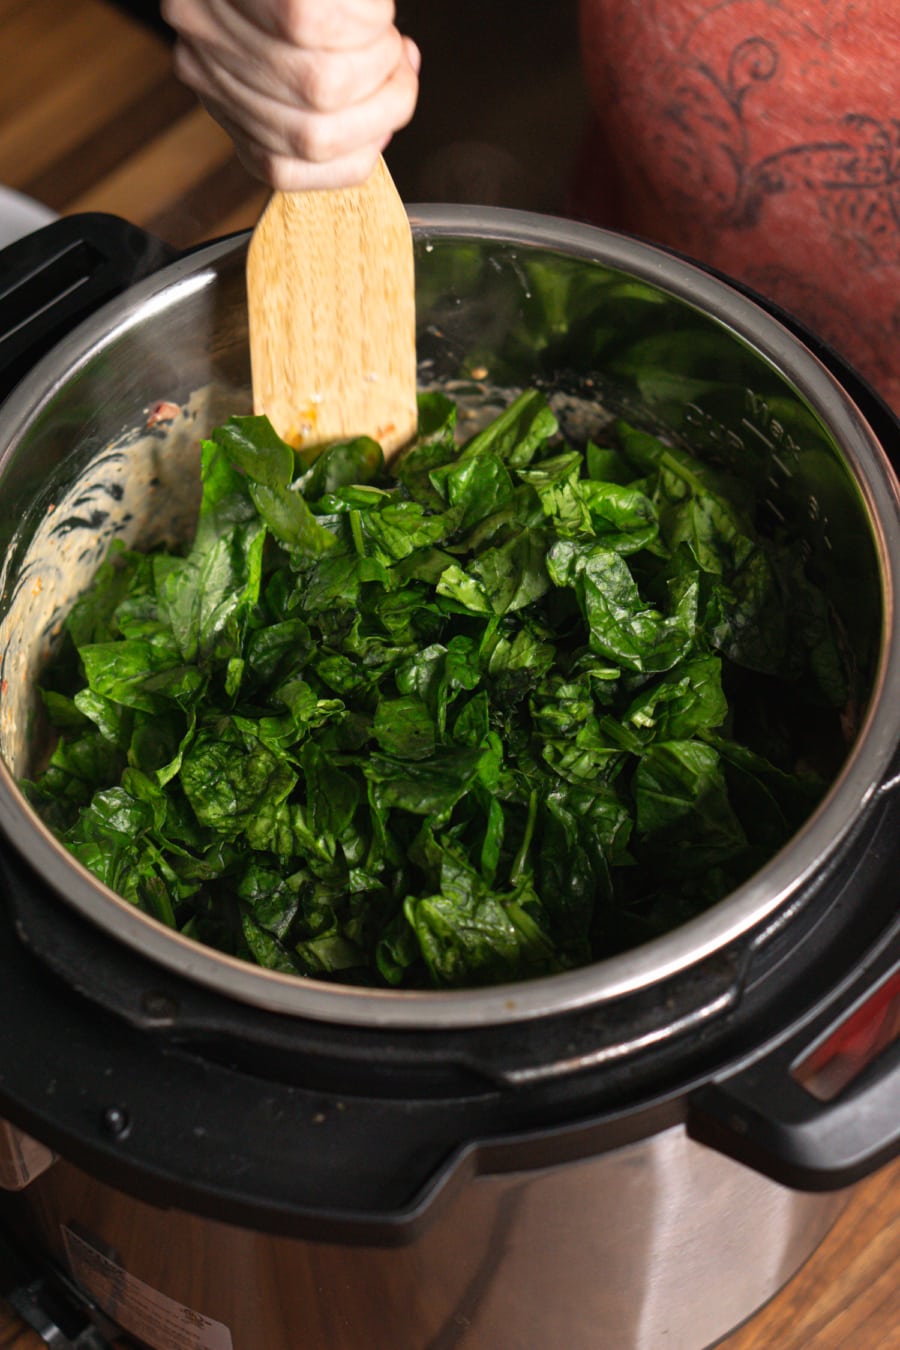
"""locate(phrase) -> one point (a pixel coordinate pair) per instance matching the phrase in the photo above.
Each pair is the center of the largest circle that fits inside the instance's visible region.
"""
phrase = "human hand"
(310, 91)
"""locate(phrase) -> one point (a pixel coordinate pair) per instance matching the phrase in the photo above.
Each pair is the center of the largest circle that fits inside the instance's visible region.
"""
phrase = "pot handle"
(821, 1109)
(53, 278)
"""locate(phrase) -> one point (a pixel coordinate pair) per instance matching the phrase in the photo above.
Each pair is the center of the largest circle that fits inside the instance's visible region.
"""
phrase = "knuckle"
(299, 23)
(364, 164)
(276, 170)
(340, 23)
(281, 175)
(285, 174)
(172, 11)
(186, 67)
(407, 98)
(323, 88)
(183, 17)
(311, 139)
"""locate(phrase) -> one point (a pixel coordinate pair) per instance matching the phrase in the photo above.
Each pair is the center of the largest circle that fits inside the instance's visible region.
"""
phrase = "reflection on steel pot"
(614, 1155)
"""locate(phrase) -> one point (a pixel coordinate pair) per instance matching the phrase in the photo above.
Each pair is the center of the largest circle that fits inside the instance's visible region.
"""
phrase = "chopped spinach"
(511, 709)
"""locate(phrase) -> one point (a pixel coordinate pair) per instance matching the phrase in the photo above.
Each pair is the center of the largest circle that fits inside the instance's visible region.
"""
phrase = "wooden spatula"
(332, 315)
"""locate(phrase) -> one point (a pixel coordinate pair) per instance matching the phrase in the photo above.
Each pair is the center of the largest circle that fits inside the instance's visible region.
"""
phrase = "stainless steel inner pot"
(503, 300)
(425, 1176)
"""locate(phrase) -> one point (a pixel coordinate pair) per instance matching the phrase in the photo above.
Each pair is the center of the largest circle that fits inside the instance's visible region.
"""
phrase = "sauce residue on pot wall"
(143, 488)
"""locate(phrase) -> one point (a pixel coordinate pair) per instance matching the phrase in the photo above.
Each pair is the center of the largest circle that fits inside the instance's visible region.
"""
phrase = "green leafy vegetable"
(497, 715)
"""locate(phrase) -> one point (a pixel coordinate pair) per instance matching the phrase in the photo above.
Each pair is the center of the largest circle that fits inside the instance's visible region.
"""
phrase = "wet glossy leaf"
(503, 713)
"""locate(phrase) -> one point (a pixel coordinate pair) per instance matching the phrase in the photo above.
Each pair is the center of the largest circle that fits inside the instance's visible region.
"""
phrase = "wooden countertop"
(92, 119)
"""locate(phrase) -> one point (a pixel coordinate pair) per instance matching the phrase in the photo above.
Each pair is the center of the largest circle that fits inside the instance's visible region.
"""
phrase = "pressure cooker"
(204, 1154)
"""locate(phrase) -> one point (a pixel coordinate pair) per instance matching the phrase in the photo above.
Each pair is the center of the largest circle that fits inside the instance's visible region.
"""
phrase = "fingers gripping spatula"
(331, 299)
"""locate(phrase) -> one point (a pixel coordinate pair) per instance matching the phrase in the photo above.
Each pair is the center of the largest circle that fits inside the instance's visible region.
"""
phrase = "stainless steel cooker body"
(620, 1156)
(662, 1242)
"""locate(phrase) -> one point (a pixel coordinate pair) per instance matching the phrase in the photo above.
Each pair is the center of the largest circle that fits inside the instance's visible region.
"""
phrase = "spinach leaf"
(496, 715)
(343, 464)
(252, 445)
(682, 806)
(517, 434)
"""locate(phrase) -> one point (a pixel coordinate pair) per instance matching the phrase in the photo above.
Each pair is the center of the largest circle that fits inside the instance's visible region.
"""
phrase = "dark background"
(502, 103)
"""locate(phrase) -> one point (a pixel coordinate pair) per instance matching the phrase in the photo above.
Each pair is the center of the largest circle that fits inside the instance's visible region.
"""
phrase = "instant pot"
(200, 1154)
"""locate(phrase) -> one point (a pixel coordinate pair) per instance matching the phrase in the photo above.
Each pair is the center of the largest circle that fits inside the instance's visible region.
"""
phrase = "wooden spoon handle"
(331, 298)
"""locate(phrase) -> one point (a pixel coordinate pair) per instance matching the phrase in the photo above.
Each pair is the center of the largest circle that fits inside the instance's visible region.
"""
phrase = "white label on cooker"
(154, 1318)
(21, 1158)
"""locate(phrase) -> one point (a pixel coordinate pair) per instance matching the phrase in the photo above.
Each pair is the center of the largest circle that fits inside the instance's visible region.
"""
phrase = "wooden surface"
(91, 118)
(332, 312)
